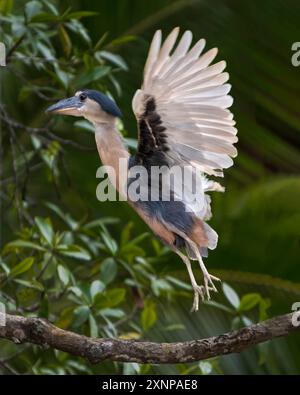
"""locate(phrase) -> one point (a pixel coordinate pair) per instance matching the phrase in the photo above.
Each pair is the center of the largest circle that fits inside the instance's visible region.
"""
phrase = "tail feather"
(191, 254)
(212, 241)
(212, 236)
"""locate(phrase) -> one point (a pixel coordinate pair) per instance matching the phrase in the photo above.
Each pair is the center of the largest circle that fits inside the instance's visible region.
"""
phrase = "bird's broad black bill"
(63, 105)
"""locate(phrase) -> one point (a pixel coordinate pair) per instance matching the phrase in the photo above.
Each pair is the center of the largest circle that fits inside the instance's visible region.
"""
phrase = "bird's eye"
(82, 96)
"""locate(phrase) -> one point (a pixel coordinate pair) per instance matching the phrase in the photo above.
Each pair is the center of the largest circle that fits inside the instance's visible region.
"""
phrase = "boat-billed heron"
(183, 121)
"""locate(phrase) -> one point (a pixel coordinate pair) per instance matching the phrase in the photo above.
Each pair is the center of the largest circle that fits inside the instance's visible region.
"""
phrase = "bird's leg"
(208, 278)
(198, 290)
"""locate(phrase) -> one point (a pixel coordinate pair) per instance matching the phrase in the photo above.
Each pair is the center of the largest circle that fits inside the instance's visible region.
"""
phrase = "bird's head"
(87, 103)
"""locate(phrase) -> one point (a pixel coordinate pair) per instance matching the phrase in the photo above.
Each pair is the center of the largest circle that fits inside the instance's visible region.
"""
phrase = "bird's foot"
(209, 284)
(203, 291)
(199, 292)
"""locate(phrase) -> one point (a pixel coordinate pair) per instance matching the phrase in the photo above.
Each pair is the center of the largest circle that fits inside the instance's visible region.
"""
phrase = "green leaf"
(205, 367)
(45, 51)
(131, 143)
(96, 287)
(51, 7)
(65, 13)
(231, 295)
(219, 306)
(63, 215)
(65, 40)
(80, 14)
(122, 40)
(76, 291)
(117, 60)
(108, 270)
(149, 315)
(109, 298)
(133, 250)
(65, 238)
(6, 6)
(34, 284)
(27, 296)
(74, 251)
(174, 327)
(110, 243)
(246, 321)
(93, 326)
(263, 307)
(45, 227)
(4, 266)
(63, 274)
(179, 283)
(158, 285)
(23, 244)
(32, 8)
(115, 313)
(44, 17)
(130, 336)
(61, 76)
(101, 41)
(22, 267)
(95, 74)
(81, 314)
(102, 221)
(131, 368)
(236, 323)
(78, 28)
(249, 301)
(117, 87)
(125, 235)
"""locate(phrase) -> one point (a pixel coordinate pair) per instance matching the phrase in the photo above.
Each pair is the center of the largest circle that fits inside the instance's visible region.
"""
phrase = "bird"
(184, 121)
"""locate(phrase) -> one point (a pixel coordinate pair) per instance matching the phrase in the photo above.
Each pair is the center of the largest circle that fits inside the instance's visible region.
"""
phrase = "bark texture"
(41, 332)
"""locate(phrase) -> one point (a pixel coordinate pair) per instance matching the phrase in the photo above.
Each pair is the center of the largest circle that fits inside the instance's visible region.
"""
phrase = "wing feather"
(182, 108)
(152, 56)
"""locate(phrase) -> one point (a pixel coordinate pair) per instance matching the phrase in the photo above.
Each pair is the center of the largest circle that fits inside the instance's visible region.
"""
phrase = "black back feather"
(152, 145)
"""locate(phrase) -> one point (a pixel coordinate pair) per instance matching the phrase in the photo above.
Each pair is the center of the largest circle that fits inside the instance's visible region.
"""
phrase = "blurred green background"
(93, 267)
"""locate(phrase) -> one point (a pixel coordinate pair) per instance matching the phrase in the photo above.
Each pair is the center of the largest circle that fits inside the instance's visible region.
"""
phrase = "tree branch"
(39, 331)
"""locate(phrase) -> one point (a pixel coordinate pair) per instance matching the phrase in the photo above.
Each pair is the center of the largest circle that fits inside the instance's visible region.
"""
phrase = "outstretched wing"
(182, 107)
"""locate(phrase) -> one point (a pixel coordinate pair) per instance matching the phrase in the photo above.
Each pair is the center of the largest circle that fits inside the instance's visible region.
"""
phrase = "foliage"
(92, 267)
